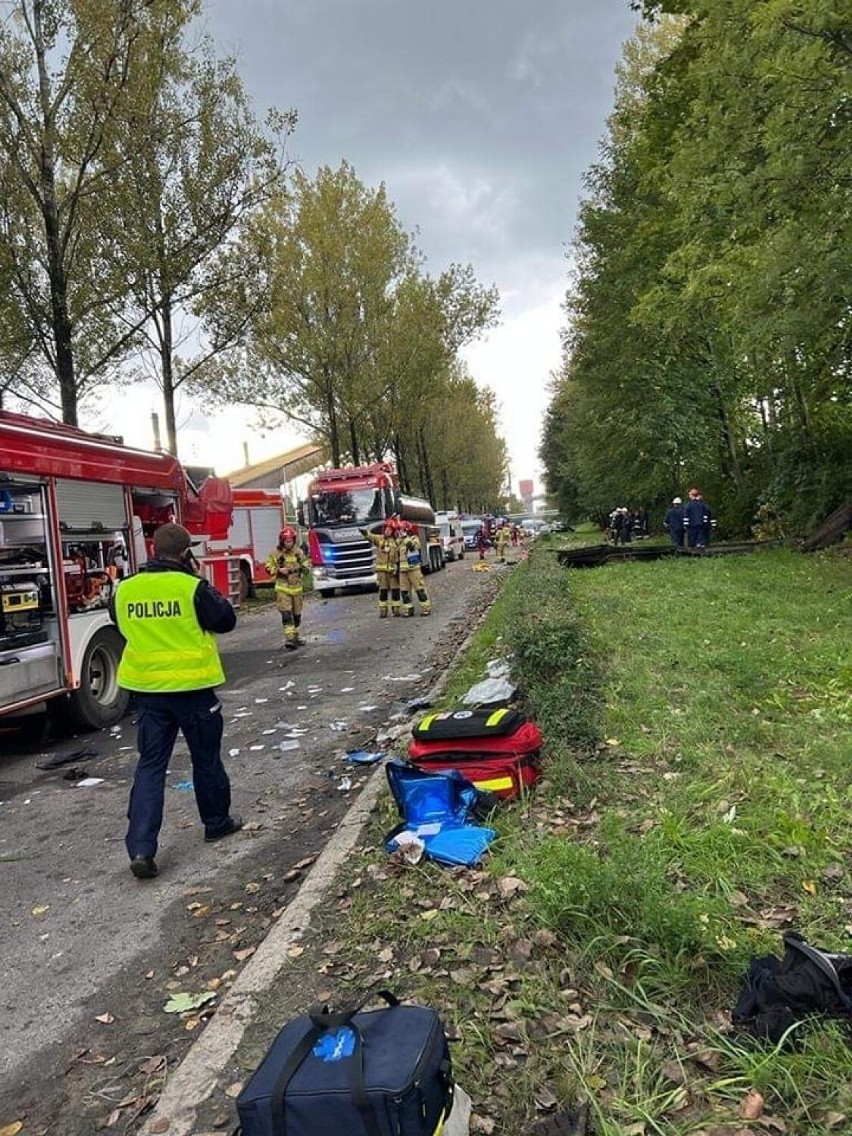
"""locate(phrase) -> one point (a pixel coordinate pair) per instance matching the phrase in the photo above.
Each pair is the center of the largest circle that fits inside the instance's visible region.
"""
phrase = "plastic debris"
(367, 709)
(186, 786)
(233, 753)
(497, 668)
(344, 785)
(364, 757)
(489, 692)
(285, 747)
(417, 704)
(288, 685)
(411, 847)
(346, 689)
(261, 700)
(254, 749)
(338, 726)
(88, 783)
(402, 678)
(272, 731)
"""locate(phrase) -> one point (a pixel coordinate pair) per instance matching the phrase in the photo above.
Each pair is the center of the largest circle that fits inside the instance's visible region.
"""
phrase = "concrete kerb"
(196, 1077)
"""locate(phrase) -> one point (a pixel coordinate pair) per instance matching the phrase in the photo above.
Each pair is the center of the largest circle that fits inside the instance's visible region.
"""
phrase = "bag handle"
(326, 1019)
(323, 1020)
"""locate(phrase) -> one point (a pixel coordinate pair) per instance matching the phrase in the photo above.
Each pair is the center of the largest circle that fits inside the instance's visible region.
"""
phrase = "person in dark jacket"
(697, 519)
(673, 521)
(168, 616)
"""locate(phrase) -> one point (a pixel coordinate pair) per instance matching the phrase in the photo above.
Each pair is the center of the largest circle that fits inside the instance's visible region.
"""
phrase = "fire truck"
(77, 513)
(339, 503)
(257, 519)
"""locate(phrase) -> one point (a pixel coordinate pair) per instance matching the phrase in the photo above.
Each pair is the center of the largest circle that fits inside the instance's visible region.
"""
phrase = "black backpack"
(805, 983)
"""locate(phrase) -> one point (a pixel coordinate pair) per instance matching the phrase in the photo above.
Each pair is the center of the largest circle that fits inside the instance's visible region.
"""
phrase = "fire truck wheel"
(246, 586)
(100, 701)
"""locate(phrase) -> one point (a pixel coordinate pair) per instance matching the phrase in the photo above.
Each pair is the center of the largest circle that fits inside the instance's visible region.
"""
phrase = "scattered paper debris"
(89, 782)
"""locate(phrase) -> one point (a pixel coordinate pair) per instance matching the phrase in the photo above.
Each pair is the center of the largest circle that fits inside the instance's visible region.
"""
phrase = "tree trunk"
(168, 374)
(60, 321)
(728, 441)
(353, 442)
(425, 469)
(333, 428)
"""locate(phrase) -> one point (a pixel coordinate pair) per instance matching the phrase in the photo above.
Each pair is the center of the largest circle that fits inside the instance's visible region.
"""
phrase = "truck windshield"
(347, 507)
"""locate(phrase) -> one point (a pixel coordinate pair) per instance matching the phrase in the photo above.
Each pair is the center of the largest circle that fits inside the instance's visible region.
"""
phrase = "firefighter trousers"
(290, 605)
(388, 586)
(411, 580)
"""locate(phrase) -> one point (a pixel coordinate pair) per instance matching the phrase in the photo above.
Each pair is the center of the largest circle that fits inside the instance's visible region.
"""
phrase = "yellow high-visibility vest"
(166, 649)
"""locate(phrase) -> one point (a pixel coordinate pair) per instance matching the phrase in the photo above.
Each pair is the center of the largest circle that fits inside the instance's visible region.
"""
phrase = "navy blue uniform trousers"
(198, 716)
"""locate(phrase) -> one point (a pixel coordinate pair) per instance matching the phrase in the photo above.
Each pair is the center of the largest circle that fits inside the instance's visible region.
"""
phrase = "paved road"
(82, 940)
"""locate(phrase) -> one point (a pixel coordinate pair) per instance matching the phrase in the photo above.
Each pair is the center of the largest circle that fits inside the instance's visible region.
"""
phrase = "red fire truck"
(339, 503)
(257, 519)
(77, 512)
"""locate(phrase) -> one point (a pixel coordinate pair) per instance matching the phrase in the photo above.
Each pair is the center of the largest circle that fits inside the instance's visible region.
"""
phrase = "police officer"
(288, 565)
(387, 564)
(167, 615)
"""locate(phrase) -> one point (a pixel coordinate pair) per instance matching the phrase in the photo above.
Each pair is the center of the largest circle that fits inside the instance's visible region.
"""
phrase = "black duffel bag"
(380, 1072)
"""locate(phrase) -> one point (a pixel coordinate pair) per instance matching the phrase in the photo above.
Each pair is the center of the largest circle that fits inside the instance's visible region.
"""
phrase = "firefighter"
(387, 564)
(410, 570)
(288, 565)
(501, 540)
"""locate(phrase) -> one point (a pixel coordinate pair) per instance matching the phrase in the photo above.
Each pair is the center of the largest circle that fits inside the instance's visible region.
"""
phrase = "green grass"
(696, 803)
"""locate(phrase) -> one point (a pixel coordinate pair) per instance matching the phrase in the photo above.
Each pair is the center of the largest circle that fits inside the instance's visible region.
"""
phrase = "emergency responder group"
(690, 524)
(399, 571)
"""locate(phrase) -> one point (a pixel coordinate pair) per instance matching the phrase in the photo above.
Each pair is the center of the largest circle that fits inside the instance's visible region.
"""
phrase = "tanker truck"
(339, 503)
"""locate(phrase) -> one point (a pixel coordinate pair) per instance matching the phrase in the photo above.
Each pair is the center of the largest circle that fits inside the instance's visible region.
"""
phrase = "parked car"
(470, 530)
(452, 536)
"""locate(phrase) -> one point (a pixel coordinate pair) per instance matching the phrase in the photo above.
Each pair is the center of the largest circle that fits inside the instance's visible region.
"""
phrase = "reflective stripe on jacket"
(287, 566)
(166, 649)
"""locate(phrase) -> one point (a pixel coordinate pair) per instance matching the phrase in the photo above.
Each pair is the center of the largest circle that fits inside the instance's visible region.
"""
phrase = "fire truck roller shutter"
(90, 506)
(100, 701)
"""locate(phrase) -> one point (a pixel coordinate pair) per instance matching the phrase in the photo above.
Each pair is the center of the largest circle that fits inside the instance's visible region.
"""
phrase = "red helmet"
(287, 533)
(390, 526)
(409, 528)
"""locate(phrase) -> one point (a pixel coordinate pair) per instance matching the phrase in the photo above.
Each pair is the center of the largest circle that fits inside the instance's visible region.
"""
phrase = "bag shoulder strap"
(824, 964)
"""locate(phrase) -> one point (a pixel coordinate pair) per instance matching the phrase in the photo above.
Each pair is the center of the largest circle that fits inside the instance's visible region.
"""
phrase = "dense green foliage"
(709, 322)
(353, 340)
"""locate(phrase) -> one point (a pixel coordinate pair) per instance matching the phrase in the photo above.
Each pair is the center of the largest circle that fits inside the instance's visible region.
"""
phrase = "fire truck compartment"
(29, 671)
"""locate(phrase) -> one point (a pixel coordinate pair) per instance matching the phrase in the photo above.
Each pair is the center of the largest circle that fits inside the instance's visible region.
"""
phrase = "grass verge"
(696, 803)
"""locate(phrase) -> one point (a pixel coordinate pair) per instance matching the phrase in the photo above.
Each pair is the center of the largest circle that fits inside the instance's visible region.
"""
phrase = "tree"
(67, 71)
(333, 252)
(182, 197)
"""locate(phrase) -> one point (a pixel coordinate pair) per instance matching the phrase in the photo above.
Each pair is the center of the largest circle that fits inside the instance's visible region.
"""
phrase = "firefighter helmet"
(390, 526)
(287, 533)
(409, 528)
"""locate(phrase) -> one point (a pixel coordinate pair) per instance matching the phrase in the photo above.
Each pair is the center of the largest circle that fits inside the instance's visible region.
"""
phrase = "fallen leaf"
(37, 911)
(751, 1106)
(178, 1003)
(161, 1125)
(113, 1118)
(234, 1090)
(295, 952)
(245, 953)
(105, 1019)
(252, 887)
(152, 1065)
(12, 1129)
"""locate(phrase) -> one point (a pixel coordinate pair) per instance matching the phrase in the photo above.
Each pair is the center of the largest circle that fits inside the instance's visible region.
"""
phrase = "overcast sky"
(480, 117)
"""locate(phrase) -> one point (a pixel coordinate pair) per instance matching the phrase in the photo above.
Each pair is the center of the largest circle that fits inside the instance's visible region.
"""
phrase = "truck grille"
(349, 561)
